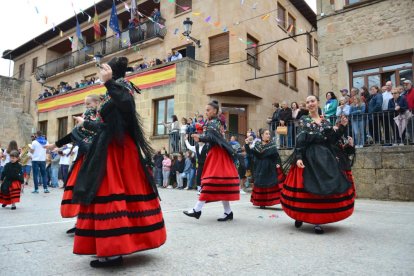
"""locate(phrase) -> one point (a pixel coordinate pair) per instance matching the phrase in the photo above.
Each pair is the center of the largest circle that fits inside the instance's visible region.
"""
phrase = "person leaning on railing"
(174, 132)
(356, 112)
(331, 104)
(374, 106)
(398, 107)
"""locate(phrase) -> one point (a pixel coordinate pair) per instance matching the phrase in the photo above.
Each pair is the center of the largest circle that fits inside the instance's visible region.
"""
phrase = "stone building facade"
(365, 43)
(219, 69)
(16, 123)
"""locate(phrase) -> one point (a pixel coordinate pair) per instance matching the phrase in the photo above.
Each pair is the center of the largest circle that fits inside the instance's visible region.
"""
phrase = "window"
(281, 16)
(283, 71)
(311, 90)
(219, 47)
(253, 53)
(34, 64)
(62, 127)
(292, 77)
(42, 127)
(182, 5)
(317, 88)
(21, 71)
(315, 48)
(309, 43)
(291, 24)
(164, 109)
(377, 72)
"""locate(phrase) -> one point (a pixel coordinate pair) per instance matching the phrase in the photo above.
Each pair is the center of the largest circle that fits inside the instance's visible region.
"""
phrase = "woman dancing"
(316, 189)
(266, 190)
(119, 208)
(83, 138)
(219, 179)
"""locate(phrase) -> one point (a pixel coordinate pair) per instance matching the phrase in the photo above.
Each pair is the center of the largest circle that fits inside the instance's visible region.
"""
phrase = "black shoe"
(318, 229)
(71, 230)
(262, 207)
(4, 205)
(227, 217)
(298, 223)
(108, 263)
(194, 214)
(13, 207)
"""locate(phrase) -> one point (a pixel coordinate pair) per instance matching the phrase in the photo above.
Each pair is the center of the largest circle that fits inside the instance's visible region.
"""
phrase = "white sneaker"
(394, 145)
(401, 144)
(242, 192)
(169, 187)
(186, 188)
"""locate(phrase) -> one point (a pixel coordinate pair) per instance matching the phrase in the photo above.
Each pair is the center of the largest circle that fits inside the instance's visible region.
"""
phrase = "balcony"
(107, 46)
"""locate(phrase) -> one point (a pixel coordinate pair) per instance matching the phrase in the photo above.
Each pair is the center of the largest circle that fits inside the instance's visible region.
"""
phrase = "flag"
(113, 21)
(79, 34)
(133, 9)
(96, 26)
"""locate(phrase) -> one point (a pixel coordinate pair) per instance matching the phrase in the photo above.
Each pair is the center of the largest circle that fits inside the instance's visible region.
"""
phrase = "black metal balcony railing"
(107, 46)
(365, 129)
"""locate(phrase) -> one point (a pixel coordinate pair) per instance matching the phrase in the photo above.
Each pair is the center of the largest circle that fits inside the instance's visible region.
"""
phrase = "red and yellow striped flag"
(96, 26)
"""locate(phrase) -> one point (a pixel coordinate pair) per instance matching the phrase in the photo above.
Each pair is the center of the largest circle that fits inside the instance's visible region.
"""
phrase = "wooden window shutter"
(219, 47)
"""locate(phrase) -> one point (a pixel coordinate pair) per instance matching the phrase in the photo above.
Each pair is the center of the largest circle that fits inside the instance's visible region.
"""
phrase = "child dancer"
(83, 138)
(12, 178)
(219, 180)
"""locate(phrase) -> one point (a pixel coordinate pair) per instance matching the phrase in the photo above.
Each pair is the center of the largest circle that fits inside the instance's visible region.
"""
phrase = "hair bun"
(215, 101)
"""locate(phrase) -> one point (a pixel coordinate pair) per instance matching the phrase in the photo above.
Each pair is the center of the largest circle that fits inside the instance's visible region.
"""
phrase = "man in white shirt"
(387, 118)
(39, 162)
(65, 162)
(177, 55)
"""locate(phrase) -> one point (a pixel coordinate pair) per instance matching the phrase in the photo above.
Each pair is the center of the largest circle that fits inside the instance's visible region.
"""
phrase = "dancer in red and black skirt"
(12, 179)
(119, 208)
(316, 189)
(219, 180)
(83, 138)
(266, 190)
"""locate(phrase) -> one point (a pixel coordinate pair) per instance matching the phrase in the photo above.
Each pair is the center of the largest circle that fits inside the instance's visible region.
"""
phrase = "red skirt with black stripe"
(125, 215)
(67, 208)
(14, 194)
(316, 209)
(268, 196)
(281, 176)
(220, 179)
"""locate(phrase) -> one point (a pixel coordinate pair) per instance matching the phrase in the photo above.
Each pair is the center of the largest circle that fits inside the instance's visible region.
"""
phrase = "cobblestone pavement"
(377, 240)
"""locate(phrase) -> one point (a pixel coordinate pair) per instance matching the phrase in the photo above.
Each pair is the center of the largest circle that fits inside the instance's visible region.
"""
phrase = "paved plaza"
(377, 240)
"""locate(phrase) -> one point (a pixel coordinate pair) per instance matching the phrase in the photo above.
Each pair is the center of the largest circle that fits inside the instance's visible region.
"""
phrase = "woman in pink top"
(166, 167)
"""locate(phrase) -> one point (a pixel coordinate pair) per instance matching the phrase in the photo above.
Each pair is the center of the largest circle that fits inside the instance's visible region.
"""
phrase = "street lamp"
(41, 77)
(98, 57)
(188, 24)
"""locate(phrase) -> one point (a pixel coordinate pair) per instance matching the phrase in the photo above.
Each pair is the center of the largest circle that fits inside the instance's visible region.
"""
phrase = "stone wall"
(349, 34)
(15, 124)
(384, 173)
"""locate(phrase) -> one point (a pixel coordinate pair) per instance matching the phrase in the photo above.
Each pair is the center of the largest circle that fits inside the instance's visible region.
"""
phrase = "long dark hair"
(261, 132)
(291, 105)
(12, 146)
(174, 118)
(332, 94)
